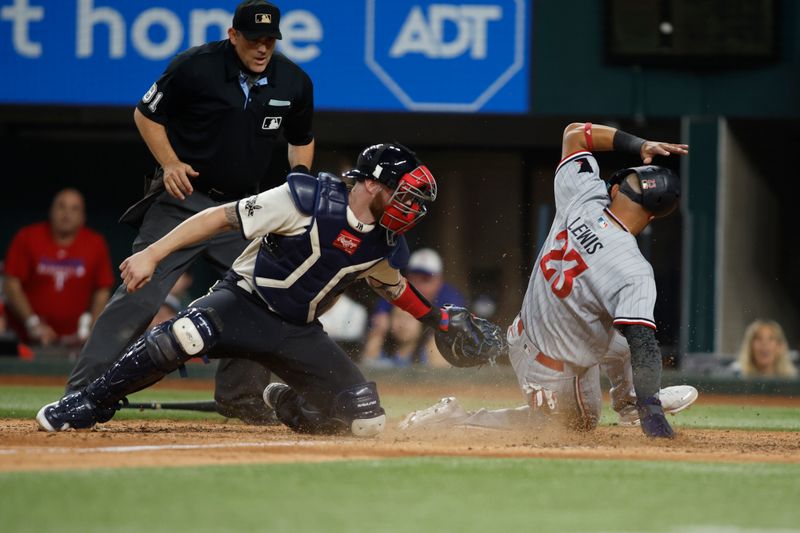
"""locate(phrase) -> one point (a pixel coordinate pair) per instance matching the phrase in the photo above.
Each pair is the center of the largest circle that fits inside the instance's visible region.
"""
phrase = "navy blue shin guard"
(130, 373)
(193, 332)
(356, 410)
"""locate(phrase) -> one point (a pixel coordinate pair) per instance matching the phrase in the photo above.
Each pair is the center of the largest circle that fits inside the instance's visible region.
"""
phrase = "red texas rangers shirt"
(58, 280)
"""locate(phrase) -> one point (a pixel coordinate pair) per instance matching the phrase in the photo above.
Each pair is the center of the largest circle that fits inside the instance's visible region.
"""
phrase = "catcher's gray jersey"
(590, 274)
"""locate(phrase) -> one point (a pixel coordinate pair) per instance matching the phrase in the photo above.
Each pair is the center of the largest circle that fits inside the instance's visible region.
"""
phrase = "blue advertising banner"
(379, 55)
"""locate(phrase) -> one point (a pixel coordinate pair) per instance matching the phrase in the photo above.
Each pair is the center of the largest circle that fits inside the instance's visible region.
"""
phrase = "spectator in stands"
(409, 344)
(393, 340)
(55, 272)
(765, 352)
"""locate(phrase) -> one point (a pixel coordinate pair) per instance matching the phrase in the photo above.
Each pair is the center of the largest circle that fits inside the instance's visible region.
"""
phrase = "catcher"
(311, 238)
(589, 303)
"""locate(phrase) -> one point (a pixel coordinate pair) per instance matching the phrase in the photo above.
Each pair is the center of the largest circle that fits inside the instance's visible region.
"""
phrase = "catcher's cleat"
(273, 393)
(74, 411)
(446, 413)
(673, 400)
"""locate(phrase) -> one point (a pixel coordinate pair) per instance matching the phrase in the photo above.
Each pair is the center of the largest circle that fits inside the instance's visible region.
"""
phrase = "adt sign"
(437, 56)
(396, 55)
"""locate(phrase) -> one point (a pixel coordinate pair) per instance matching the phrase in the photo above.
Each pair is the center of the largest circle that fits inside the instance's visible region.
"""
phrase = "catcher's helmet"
(397, 167)
(386, 163)
(661, 188)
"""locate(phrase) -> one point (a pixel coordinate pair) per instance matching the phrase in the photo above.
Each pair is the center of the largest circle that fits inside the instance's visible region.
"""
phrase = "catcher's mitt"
(465, 340)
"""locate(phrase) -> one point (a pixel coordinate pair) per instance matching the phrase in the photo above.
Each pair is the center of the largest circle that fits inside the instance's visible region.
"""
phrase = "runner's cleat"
(447, 412)
(673, 400)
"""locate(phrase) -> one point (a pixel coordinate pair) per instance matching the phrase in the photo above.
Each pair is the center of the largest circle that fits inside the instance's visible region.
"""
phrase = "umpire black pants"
(302, 355)
(239, 382)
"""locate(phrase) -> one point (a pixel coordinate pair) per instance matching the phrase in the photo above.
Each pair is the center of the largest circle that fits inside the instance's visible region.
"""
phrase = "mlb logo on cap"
(256, 19)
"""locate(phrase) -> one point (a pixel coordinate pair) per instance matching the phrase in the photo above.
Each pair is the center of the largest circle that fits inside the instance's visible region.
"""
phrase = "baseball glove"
(465, 340)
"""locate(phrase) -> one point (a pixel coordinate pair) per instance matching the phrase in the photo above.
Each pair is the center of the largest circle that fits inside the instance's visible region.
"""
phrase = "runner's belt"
(541, 358)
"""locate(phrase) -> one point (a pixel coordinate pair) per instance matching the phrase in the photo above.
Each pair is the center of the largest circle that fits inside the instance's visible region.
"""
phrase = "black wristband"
(625, 142)
(301, 168)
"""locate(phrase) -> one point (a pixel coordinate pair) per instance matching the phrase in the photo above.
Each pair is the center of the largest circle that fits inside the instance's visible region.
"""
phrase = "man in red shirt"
(57, 271)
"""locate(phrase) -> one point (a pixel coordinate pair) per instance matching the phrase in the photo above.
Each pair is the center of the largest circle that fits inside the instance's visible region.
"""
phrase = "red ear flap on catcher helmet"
(397, 167)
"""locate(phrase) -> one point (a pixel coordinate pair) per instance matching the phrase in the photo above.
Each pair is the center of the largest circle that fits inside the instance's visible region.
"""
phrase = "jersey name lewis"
(584, 236)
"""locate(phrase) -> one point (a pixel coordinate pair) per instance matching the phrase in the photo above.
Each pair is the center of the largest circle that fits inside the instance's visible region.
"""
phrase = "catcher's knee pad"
(192, 332)
(360, 409)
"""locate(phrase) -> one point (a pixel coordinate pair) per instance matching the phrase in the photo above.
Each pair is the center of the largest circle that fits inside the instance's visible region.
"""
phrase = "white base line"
(154, 447)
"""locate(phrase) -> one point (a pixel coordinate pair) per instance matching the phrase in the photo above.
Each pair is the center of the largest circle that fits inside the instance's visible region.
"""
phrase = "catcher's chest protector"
(300, 276)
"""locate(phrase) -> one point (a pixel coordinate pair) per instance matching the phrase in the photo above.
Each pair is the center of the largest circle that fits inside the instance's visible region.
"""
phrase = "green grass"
(740, 417)
(25, 401)
(414, 495)
(748, 417)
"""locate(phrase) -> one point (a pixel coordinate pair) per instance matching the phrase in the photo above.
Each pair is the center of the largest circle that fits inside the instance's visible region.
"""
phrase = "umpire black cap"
(661, 188)
(256, 19)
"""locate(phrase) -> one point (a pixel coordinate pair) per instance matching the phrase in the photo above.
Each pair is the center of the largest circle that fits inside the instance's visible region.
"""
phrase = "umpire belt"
(544, 360)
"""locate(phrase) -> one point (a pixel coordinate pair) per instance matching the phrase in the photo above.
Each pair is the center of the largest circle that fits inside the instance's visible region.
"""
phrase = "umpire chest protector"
(300, 276)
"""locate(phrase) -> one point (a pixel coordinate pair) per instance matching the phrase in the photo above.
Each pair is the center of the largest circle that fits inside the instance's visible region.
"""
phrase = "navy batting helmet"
(661, 188)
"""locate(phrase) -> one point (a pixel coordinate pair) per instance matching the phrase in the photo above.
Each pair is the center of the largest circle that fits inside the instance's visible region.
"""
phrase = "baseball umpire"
(589, 284)
(211, 122)
(311, 238)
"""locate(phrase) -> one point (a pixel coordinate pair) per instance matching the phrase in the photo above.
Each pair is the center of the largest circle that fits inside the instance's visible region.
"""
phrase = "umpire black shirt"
(200, 101)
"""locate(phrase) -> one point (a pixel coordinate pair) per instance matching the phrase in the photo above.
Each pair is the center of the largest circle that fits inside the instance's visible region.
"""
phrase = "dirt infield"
(170, 443)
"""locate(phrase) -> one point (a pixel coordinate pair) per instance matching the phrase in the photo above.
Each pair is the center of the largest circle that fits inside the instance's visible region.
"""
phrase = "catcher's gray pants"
(239, 382)
(570, 396)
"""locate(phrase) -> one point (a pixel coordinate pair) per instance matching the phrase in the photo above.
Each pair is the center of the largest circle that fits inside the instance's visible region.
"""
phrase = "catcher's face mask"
(407, 204)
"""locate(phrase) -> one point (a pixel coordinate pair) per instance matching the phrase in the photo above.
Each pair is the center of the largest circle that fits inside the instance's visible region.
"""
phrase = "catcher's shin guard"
(356, 410)
(73, 411)
(191, 333)
(360, 408)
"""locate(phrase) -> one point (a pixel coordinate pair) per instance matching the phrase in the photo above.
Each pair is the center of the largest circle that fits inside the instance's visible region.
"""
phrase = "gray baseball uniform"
(589, 277)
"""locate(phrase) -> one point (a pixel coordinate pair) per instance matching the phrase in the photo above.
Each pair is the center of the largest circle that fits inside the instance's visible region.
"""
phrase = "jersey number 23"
(568, 262)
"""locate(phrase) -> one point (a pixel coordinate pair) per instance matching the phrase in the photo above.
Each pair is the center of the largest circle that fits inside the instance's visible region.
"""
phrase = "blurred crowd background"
(484, 107)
